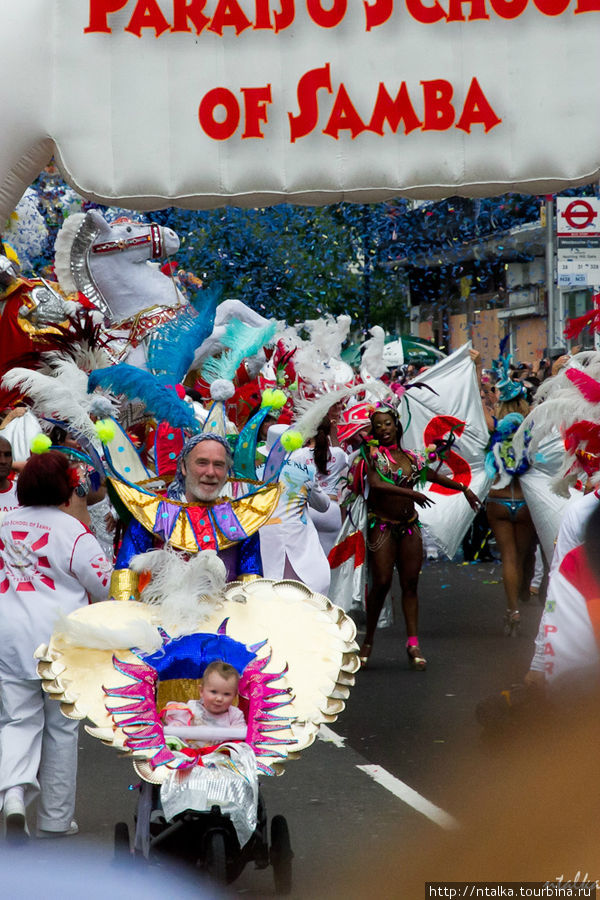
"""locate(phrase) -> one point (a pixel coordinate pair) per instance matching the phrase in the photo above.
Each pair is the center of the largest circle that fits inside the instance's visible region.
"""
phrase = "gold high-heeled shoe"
(416, 659)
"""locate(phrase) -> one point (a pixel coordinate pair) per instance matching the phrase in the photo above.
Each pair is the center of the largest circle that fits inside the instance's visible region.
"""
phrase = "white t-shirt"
(8, 500)
(566, 637)
(337, 468)
(49, 563)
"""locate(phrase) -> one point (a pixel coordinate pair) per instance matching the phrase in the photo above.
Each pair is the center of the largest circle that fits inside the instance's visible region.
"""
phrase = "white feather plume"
(377, 390)
(372, 357)
(137, 633)
(62, 395)
(310, 413)
(85, 357)
(327, 334)
(559, 404)
(183, 593)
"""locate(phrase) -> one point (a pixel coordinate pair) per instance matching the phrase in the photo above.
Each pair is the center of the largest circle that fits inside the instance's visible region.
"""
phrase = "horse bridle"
(125, 243)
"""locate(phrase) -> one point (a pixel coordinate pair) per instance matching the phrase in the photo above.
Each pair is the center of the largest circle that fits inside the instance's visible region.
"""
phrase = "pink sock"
(412, 642)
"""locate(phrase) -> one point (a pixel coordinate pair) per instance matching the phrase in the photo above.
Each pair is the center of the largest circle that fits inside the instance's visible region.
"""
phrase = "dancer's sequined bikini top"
(382, 460)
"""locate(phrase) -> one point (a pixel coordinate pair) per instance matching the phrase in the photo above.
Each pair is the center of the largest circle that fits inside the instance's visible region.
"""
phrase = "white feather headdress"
(570, 398)
(61, 395)
(372, 356)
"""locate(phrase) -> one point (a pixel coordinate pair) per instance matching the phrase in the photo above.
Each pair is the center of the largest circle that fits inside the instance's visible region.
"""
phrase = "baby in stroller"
(213, 718)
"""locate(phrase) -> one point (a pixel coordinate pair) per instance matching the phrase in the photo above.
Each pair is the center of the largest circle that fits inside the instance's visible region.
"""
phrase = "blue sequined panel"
(136, 540)
(188, 656)
(249, 561)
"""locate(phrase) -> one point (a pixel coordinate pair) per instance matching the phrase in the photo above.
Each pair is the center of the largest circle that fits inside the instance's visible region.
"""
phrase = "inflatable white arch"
(151, 103)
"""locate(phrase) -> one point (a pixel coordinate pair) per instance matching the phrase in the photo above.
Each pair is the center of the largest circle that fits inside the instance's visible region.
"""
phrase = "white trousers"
(38, 750)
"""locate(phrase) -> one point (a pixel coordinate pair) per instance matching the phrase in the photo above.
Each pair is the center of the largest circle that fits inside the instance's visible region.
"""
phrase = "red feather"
(575, 326)
(586, 433)
(591, 318)
(588, 387)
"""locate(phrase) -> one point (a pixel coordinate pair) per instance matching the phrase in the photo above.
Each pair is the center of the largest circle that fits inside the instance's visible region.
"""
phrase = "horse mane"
(71, 261)
(62, 250)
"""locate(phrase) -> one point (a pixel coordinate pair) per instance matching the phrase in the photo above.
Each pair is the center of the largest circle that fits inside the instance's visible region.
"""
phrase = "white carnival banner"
(455, 406)
(199, 103)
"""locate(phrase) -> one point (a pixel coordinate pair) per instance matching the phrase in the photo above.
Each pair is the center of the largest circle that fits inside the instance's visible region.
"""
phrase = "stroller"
(206, 839)
(210, 812)
(296, 656)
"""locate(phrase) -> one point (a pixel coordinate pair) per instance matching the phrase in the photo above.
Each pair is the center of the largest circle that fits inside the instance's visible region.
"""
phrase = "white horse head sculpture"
(109, 263)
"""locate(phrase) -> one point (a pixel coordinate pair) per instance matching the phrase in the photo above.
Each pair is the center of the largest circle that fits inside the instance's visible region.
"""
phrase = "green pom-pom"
(279, 399)
(267, 397)
(291, 440)
(105, 429)
(41, 443)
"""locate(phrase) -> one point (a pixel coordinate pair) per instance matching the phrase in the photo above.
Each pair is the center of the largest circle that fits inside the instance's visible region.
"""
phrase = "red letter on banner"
(439, 112)
(427, 15)
(552, 7)
(395, 111)
(477, 110)
(147, 14)
(219, 131)
(327, 18)
(509, 9)
(229, 14)
(284, 18)
(262, 19)
(343, 116)
(99, 12)
(182, 11)
(255, 110)
(308, 114)
(378, 12)
(437, 429)
(455, 11)
(584, 6)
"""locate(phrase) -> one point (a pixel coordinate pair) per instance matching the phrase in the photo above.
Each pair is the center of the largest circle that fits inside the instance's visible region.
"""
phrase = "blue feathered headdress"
(173, 345)
(506, 388)
(501, 457)
(136, 384)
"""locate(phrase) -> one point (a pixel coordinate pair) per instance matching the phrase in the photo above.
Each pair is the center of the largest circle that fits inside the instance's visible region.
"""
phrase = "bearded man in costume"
(203, 468)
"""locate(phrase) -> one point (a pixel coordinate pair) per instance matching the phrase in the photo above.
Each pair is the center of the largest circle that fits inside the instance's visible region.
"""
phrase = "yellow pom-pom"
(267, 398)
(291, 440)
(279, 399)
(41, 443)
(105, 429)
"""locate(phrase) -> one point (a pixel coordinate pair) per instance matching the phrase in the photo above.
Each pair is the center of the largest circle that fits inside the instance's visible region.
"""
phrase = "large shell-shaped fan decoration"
(294, 649)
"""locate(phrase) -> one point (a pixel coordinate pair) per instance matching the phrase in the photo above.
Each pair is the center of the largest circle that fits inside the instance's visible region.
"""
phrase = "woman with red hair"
(50, 564)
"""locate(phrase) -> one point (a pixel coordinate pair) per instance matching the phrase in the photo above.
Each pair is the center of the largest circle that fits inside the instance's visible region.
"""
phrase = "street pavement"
(416, 731)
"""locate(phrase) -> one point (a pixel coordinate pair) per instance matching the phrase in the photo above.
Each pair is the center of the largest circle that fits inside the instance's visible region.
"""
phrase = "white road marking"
(410, 796)
(330, 737)
(394, 785)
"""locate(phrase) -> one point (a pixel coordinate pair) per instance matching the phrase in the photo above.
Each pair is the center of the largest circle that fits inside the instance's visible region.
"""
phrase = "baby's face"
(218, 693)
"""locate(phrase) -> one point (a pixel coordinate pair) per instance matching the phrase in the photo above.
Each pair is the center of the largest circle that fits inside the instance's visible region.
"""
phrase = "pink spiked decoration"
(143, 729)
(140, 722)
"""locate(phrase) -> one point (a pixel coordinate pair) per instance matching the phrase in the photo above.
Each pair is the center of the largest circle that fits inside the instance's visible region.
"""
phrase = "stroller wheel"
(122, 846)
(216, 857)
(281, 855)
